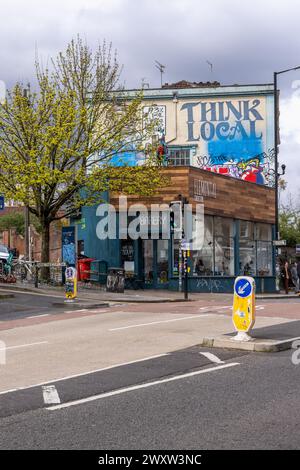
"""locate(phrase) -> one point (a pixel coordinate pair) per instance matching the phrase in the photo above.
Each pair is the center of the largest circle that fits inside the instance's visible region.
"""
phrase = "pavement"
(135, 376)
(139, 296)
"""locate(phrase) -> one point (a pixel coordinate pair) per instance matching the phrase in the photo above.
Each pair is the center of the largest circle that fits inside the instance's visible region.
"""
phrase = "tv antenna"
(161, 68)
(211, 67)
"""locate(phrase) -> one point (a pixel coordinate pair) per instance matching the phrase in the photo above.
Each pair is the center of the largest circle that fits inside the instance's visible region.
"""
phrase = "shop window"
(179, 157)
(264, 249)
(263, 232)
(224, 256)
(246, 230)
(148, 261)
(224, 246)
(224, 227)
(127, 256)
(264, 258)
(247, 257)
(203, 260)
(162, 261)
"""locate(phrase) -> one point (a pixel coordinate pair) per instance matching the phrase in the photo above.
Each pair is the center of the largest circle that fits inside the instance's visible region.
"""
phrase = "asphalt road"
(133, 377)
(253, 404)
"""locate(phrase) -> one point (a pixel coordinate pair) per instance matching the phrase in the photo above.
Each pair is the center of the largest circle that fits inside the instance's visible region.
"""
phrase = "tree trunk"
(45, 250)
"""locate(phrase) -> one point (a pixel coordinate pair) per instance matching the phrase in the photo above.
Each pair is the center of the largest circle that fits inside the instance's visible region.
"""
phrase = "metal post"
(36, 275)
(180, 267)
(26, 210)
(185, 267)
(27, 237)
(276, 130)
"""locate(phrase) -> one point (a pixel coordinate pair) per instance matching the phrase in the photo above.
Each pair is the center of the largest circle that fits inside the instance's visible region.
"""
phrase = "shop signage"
(204, 189)
(279, 242)
(243, 312)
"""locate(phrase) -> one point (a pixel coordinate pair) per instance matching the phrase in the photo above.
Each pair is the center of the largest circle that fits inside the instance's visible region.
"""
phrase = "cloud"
(245, 41)
(289, 152)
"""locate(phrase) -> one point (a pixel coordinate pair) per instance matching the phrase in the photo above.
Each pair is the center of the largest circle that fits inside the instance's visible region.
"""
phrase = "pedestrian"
(286, 276)
(295, 277)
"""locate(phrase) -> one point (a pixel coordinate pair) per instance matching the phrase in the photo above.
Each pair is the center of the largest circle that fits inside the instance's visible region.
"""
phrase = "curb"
(256, 345)
(79, 306)
(278, 296)
(118, 300)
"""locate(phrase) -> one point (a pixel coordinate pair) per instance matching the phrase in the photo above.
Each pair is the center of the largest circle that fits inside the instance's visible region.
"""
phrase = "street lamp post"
(276, 143)
(26, 209)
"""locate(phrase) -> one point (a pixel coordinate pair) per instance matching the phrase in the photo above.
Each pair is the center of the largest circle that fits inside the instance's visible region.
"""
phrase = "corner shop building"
(239, 212)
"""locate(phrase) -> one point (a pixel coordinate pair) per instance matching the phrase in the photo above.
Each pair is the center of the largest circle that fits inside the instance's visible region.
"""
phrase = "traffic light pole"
(185, 270)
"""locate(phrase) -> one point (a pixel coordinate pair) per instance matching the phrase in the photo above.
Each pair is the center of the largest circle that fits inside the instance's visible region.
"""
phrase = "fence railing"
(31, 272)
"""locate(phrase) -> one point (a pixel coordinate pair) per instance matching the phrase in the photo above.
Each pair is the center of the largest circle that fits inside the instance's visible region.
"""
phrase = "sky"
(245, 41)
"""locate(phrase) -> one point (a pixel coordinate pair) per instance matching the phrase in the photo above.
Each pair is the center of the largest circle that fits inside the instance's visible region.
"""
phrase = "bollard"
(243, 310)
(71, 284)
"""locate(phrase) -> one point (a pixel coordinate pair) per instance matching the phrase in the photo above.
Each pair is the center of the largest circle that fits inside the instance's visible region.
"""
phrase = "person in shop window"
(199, 268)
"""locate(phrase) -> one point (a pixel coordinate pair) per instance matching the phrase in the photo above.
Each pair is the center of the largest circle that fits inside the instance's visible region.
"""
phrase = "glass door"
(148, 259)
(162, 263)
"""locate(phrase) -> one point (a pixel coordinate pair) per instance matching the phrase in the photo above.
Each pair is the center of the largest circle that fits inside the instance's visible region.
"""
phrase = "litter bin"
(84, 268)
(115, 280)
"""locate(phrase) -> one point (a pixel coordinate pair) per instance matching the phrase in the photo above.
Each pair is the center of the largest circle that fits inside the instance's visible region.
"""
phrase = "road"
(133, 377)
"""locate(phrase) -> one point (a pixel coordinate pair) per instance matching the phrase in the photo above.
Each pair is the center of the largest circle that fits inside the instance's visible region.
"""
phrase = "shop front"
(219, 143)
(237, 235)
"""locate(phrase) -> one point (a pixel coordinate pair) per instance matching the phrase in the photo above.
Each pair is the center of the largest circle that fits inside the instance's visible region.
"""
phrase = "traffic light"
(172, 221)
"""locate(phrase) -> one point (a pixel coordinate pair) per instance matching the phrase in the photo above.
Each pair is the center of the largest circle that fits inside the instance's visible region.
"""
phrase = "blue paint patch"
(221, 151)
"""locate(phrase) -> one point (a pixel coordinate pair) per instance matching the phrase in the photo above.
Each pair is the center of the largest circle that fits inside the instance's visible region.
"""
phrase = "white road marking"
(35, 316)
(210, 307)
(23, 345)
(50, 395)
(84, 373)
(221, 307)
(138, 387)
(212, 357)
(161, 321)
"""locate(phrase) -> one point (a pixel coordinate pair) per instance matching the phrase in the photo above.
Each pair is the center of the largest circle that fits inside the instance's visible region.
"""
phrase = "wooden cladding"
(230, 197)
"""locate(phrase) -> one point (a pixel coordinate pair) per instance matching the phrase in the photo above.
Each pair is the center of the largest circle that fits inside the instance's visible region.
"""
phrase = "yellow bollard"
(243, 310)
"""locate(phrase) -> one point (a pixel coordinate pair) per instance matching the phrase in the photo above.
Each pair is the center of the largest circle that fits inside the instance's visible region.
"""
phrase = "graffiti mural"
(156, 114)
(232, 137)
(257, 169)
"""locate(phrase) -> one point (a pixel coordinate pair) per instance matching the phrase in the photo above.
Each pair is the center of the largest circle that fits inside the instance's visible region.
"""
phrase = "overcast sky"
(245, 42)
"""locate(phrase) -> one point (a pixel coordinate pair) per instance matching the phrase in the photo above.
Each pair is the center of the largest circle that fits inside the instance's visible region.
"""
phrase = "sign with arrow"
(243, 312)
(1, 203)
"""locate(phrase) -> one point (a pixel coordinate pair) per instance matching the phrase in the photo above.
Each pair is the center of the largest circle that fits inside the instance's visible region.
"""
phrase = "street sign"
(279, 242)
(243, 311)
(297, 249)
(1, 203)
